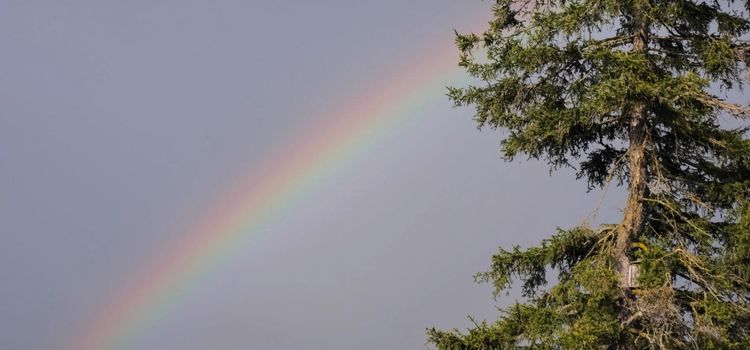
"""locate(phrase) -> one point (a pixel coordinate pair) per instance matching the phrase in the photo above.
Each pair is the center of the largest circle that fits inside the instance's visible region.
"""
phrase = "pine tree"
(631, 92)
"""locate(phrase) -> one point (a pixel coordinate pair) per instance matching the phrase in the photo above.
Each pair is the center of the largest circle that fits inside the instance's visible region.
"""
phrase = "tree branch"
(742, 50)
(736, 110)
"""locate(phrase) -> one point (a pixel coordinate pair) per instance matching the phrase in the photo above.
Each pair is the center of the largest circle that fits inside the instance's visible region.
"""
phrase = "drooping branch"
(742, 50)
(608, 43)
(736, 110)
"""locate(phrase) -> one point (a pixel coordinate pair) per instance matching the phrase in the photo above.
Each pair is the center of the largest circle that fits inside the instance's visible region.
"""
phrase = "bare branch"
(736, 110)
(742, 50)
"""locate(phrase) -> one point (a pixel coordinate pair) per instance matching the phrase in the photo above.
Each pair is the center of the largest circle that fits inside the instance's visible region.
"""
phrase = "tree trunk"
(633, 216)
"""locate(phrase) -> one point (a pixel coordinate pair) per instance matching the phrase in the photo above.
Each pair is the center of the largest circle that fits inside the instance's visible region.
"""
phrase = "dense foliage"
(631, 92)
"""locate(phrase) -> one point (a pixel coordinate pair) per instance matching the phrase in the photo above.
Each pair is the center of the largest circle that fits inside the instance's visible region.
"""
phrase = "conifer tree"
(631, 92)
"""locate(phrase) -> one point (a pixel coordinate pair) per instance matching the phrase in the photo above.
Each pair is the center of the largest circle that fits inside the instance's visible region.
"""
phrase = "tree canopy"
(631, 92)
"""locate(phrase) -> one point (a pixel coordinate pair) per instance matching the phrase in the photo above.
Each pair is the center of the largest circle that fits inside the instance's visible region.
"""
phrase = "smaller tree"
(620, 91)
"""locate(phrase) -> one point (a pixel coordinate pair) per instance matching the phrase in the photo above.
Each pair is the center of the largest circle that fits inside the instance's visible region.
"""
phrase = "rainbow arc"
(269, 193)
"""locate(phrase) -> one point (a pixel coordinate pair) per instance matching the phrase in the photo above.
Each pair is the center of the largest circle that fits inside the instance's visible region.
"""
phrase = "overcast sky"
(122, 121)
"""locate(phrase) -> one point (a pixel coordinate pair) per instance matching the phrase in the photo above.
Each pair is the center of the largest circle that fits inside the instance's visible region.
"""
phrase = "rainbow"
(268, 194)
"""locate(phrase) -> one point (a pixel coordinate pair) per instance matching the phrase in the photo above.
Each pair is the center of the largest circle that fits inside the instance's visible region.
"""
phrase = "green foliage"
(563, 79)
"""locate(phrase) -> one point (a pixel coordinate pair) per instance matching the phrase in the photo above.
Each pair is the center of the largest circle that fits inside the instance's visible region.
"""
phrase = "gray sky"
(122, 121)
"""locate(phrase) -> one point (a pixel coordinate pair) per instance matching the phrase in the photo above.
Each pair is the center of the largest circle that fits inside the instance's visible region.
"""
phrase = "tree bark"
(634, 213)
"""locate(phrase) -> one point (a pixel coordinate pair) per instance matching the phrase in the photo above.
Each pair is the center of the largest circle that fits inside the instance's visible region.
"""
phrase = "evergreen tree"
(623, 91)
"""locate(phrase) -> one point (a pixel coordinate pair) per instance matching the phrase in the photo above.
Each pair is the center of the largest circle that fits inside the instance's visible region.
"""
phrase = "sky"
(125, 124)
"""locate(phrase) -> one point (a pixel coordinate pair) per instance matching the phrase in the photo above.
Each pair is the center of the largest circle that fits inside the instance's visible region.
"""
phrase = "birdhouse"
(633, 274)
